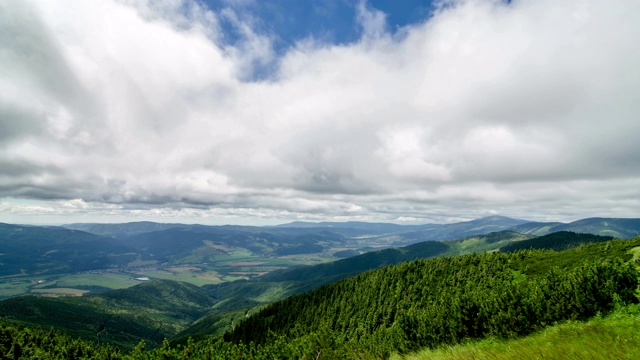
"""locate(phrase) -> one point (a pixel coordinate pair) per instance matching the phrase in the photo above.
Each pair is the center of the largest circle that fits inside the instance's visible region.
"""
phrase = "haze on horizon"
(249, 112)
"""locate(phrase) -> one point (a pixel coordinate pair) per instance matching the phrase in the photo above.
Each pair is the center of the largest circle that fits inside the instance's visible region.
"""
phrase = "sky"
(265, 112)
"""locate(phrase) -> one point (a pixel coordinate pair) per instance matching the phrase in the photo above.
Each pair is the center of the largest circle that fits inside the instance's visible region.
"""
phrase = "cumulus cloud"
(528, 108)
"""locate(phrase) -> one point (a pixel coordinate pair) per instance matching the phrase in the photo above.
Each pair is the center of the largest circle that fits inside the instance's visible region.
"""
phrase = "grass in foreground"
(616, 336)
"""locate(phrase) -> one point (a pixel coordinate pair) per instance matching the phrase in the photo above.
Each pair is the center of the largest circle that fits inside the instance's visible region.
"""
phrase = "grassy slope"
(616, 336)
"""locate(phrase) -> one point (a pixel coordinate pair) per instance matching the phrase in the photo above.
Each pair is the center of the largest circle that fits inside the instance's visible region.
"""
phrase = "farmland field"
(59, 292)
(236, 265)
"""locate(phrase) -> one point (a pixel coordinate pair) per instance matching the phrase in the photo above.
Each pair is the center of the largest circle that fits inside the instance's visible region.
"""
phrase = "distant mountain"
(201, 242)
(81, 247)
(459, 230)
(616, 227)
(143, 235)
(121, 230)
(372, 228)
(39, 250)
(409, 234)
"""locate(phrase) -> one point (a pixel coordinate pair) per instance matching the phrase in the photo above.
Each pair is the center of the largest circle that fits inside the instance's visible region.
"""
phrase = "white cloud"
(525, 109)
(372, 21)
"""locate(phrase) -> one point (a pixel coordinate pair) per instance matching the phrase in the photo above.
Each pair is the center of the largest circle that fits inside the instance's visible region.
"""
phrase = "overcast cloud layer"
(130, 110)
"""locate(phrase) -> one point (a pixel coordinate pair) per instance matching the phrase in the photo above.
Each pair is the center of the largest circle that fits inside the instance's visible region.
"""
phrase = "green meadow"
(616, 336)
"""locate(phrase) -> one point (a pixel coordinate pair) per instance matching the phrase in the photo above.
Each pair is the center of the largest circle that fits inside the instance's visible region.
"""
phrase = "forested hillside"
(279, 284)
(395, 309)
(151, 311)
(561, 240)
(445, 300)
(621, 228)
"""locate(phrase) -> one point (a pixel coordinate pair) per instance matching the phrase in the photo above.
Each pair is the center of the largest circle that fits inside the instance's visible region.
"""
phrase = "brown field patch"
(182, 269)
(246, 263)
(211, 244)
(60, 292)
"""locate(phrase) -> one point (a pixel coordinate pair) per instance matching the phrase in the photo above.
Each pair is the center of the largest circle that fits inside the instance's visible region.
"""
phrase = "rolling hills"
(615, 227)
(377, 313)
(408, 306)
(196, 253)
(156, 310)
(150, 311)
(35, 250)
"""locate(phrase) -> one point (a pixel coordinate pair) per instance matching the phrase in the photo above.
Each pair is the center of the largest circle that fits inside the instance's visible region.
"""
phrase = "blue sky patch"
(330, 21)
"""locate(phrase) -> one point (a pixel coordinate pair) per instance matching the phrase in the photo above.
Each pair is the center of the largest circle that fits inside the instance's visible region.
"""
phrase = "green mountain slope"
(150, 311)
(615, 227)
(465, 229)
(172, 298)
(561, 240)
(277, 285)
(368, 228)
(616, 336)
(445, 300)
(239, 295)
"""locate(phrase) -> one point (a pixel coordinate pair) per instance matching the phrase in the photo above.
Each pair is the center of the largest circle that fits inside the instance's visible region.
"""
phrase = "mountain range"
(71, 248)
(160, 309)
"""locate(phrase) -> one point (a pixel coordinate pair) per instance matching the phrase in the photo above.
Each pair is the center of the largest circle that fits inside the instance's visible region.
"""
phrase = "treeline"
(19, 342)
(558, 241)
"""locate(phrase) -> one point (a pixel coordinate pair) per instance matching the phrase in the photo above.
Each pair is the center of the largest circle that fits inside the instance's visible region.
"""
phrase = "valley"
(100, 280)
(113, 256)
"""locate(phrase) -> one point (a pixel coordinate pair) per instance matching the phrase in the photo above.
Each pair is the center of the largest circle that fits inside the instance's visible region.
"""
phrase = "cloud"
(372, 21)
(526, 108)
